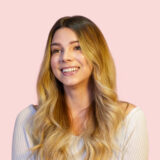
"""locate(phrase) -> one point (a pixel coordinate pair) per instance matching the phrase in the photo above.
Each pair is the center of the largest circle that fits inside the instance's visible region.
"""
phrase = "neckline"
(126, 118)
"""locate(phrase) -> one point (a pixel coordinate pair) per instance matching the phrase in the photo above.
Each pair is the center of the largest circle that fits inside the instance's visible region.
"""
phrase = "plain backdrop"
(132, 31)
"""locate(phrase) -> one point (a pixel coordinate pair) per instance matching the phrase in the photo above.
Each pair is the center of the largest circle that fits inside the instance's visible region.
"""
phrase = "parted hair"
(50, 126)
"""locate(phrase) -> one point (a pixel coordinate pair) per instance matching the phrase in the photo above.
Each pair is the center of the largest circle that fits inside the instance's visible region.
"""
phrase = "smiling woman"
(68, 63)
(79, 114)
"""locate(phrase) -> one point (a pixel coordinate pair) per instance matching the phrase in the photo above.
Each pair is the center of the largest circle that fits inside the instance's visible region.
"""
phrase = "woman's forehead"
(64, 33)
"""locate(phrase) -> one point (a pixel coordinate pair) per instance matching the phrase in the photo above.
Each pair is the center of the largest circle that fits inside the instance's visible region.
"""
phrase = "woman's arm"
(21, 141)
(135, 146)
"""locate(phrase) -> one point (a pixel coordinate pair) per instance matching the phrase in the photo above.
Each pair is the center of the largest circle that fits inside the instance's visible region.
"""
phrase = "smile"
(69, 71)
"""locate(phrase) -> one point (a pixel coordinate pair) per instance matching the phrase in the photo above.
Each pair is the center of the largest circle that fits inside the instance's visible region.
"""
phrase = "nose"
(66, 55)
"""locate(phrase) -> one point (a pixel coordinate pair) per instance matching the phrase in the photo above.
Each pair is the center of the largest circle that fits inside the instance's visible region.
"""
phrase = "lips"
(69, 71)
(69, 67)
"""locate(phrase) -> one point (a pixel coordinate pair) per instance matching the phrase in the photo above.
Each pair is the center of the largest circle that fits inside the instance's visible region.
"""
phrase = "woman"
(79, 115)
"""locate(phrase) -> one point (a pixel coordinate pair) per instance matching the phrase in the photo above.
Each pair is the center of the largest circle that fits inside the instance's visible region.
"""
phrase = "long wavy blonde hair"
(51, 123)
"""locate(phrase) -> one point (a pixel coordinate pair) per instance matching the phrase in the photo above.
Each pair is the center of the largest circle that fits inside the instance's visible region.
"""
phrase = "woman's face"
(68, 63)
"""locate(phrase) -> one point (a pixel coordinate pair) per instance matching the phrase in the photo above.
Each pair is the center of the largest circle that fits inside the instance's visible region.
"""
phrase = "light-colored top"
(133, 138)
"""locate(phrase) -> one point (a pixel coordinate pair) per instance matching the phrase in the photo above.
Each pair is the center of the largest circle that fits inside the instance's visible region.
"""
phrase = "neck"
(78, 98)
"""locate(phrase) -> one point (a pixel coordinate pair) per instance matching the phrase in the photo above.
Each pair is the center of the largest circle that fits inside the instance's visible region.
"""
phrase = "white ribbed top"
(133, 138)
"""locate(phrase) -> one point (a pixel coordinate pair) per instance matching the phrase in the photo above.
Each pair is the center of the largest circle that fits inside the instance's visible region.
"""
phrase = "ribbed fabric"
(133, 138)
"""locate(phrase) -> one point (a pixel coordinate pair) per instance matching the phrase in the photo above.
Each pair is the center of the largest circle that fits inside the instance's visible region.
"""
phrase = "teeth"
(69, 69)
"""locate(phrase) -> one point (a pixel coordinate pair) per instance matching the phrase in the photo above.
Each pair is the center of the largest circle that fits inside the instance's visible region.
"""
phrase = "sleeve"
(20, 140)
(136, 140)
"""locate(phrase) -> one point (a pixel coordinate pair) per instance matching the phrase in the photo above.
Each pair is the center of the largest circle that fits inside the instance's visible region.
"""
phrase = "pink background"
(131, 28)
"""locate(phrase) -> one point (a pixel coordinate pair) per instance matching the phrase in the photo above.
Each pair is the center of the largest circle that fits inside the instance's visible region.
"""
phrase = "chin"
(70, 84)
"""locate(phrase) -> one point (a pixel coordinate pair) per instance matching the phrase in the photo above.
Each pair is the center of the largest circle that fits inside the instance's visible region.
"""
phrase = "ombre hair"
(51, 123)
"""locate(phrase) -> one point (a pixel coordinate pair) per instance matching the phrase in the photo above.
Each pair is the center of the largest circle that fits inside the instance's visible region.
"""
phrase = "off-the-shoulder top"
(133, 138)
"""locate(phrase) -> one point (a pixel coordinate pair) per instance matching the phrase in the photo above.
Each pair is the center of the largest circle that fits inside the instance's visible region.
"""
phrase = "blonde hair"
(51, 123)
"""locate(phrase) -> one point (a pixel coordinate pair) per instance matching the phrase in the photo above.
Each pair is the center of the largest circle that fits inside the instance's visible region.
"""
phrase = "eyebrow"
(58, 44)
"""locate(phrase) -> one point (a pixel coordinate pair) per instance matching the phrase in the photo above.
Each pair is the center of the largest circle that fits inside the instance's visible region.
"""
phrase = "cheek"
(85, 63)
(81, 59)
(54, 62)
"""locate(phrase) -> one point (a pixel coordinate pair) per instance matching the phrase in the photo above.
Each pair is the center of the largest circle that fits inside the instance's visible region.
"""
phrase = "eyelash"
(55, 50)
(79, 48)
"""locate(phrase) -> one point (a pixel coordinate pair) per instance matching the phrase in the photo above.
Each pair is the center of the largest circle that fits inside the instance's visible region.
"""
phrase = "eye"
(55, 51)
(77, 48)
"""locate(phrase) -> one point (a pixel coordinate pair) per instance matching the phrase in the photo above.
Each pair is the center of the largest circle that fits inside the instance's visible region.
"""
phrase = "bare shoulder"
(126, 106)
(35, 107)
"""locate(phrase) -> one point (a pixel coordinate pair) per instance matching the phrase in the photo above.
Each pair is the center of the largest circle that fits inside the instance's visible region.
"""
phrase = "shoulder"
(132, 112)
(134, 115)
(134, 136)
(25, 114)
(22, 137)
(135, 122)
(126, 106)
